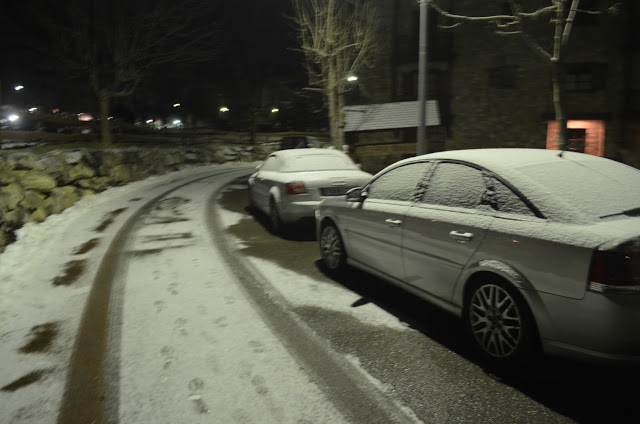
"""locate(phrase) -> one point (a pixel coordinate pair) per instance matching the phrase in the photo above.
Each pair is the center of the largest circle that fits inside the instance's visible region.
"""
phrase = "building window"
(502, 77)
(585, 76)
(576, 137)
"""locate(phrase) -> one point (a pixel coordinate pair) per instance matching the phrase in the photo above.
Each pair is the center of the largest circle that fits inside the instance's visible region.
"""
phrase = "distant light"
(352, 78)
(13, 118)
(18, 87)
(111, 117)
(275, 109)
(149, 121)
(176, 104)
(177, 122)
(85, 117)
(224, 109)
(56, 110)
(33, 109)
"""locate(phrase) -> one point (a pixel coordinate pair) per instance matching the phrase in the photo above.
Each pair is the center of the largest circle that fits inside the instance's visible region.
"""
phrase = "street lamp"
(352, 78)
(18, 87)
(176, 105)
(224, 109)
(274, 110)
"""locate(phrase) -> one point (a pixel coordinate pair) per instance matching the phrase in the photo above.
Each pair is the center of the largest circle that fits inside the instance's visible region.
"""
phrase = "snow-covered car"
(291, 183)
(530, 248)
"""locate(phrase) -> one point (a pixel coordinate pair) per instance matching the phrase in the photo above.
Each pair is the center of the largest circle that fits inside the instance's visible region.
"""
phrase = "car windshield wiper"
(628, 212)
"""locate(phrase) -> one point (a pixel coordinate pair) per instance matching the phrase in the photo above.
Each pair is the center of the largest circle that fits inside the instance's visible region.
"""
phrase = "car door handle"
(393, 222)
(460, 236)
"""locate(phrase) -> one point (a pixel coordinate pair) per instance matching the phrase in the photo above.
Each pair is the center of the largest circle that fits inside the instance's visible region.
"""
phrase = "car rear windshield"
(317, 163)
(598, 188)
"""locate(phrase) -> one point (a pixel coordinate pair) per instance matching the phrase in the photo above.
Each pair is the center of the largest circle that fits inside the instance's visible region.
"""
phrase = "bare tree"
(338, 39)
(115, 44)
(562, 14)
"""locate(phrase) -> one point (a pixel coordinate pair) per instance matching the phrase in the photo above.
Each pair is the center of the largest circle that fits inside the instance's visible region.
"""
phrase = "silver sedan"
(290, 184)
(530, 248)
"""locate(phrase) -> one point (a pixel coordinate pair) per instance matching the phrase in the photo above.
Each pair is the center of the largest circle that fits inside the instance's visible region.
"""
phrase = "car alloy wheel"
(497, 321)
(332, 249)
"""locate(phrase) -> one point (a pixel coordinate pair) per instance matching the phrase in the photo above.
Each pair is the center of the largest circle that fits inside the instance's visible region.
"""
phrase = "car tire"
(332, 249)
(251, 204)
(499, 322)
(274, 217)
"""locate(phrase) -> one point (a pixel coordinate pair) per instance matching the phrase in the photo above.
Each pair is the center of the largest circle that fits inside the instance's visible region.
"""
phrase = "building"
(496, 90)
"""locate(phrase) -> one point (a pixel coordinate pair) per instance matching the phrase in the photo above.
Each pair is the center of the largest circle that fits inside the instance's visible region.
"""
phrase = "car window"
(454, 184)
(501, 198)
(398, 183)
(318, 162)
(294, 142)
(271, 164)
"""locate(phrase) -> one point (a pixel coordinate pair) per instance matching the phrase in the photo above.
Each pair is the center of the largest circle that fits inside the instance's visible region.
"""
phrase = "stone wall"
(34, 186)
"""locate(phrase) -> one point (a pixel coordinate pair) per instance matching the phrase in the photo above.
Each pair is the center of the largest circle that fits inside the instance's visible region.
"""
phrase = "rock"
(38, 180)
(95, 184)
(14, 218)
(72, 158)
(108, 159)
(10, 196)
(60, 199)
(7, 236)
(54, 166)
(120, 174)
(24, 161)
(79, 171)
(39, 215)
(32, 199)
(68, 195)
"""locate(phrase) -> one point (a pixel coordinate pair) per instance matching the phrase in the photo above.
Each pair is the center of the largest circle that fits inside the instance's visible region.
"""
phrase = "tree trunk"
(340, 129)
(332, 100)
(557, 71)
(105, 129)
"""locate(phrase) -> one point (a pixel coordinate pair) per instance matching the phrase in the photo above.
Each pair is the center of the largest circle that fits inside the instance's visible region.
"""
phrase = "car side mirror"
(355, 195)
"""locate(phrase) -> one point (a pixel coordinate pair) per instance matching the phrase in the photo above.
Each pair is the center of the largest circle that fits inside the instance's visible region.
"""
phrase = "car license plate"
(334, 191)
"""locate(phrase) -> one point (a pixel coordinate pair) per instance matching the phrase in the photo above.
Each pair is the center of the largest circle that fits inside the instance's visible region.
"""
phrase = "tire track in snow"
(89, 397)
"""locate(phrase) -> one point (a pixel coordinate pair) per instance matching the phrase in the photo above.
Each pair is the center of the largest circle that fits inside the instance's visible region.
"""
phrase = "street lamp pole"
(422, 141)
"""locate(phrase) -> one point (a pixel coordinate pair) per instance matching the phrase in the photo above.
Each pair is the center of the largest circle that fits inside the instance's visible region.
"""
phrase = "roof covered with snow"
(388, 115)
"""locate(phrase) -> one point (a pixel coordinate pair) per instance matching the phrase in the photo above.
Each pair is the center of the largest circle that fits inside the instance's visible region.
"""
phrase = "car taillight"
(616, 269)
(295, 188)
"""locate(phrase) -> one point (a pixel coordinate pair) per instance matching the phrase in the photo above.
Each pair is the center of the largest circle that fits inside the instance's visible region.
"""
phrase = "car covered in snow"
(534, 250)
(290, 184)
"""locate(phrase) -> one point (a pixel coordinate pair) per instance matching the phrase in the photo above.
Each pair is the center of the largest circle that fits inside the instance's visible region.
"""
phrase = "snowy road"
(164, 331)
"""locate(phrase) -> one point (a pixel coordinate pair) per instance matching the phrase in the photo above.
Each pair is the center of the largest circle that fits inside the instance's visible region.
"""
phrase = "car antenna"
(567, 147)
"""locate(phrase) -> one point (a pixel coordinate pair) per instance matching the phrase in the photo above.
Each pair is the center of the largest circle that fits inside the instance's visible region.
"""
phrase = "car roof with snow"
(287, 153)
(570, 185)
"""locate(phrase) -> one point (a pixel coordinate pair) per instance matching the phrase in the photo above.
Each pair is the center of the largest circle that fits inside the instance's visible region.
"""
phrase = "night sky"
(256, 38)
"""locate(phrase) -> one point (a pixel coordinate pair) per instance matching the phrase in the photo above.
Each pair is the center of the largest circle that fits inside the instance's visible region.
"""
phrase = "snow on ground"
(201, 352)
(40, 309)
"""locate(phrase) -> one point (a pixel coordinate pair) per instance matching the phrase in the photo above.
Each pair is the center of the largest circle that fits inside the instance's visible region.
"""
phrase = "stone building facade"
(496, 91)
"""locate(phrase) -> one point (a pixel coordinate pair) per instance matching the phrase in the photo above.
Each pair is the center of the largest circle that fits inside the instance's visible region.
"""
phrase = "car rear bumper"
(295, 211)
(598, 328)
